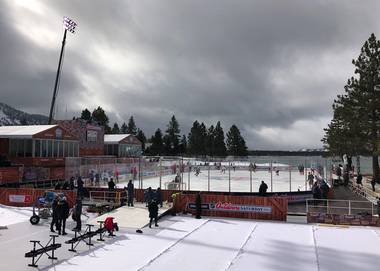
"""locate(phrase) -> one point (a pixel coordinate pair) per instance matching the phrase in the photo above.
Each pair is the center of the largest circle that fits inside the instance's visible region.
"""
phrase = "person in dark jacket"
(130, 190)
(153, 212)
(80, 187)
(359, 179)
(158, 196)
(198, 206)
(63, 211)
(54, 214)
(71, 183)
(324, 189)
(148, 195)
(373, 183)
(317, 193)
(263, 189)
(77, 212)
(65, 186)
(378, 206)
(346, 178)
(57, 186)
(111, 188)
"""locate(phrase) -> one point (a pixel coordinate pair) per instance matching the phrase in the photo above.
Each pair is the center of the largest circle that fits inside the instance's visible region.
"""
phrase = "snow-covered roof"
(26, 131)
(114, 139)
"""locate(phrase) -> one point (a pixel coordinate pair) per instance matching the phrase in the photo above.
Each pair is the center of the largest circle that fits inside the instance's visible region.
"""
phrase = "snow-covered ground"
(240, 181)
(185, 243)
(12, 215)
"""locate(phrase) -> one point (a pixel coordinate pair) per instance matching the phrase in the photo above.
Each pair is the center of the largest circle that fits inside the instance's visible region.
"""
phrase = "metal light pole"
(70, 26)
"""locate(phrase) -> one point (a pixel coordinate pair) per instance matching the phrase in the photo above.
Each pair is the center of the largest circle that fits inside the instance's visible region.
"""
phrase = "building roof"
(26, 131)
(116, 138)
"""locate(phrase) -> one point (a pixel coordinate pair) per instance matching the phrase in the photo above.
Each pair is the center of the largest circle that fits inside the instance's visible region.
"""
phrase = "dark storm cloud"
(271, 67)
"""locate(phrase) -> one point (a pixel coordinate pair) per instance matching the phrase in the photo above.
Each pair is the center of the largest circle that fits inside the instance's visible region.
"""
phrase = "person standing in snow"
(153, 212)
(130, 190)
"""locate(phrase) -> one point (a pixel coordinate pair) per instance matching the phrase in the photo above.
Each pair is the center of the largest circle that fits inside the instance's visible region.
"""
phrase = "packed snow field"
(12, 215)
(240, 181)
(186, 243)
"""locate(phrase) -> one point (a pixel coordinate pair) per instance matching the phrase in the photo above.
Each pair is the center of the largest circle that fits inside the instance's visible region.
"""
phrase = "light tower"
(69, 25)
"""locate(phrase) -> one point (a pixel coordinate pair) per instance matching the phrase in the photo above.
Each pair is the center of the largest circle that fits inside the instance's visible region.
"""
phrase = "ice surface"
(240, 181)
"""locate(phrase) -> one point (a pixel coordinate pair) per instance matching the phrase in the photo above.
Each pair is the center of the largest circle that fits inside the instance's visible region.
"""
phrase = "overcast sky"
(271, 67)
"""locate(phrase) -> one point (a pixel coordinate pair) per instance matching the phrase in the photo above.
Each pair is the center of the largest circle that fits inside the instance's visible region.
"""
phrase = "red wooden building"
(39, 149)
(122, 145)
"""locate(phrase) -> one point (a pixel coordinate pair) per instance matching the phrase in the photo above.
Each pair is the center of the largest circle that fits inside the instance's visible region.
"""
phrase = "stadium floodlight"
(69, 25)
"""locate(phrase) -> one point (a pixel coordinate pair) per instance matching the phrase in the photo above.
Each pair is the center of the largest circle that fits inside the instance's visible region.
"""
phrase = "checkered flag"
(69, 24)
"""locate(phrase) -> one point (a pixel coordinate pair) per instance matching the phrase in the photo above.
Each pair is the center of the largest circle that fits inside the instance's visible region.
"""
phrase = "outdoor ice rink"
(212, 244)
(240, 181)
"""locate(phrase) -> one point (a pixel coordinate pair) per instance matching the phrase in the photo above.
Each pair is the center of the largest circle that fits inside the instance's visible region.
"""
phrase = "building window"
(49, 148)
(28, 147)
(55, 148)
(20, 148)
(60, 148)
(44, 148)
(37, 148)
(76, 149)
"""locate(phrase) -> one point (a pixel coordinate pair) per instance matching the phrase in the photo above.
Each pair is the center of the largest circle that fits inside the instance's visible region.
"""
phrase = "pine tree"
(115, 129)
(219, 144)
(210, 141)
(85, 115)
(157, 147)
(355, 128)
(195, 140)
(183, 145)
(99, 115)
(235, 142)
(132, 129)
(141, 136)
(202, 139)
(124, 128)
(171, 139)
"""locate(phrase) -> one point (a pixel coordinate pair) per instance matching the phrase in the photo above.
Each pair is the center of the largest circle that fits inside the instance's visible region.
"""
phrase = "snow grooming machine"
(42, 207)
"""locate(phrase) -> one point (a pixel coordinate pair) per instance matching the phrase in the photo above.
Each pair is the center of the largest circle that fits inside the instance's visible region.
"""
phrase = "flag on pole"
(69, 24)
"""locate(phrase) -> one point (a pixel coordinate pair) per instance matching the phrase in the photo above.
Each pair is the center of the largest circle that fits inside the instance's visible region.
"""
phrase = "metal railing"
(108, 196)
(363, 191)
(347, 207)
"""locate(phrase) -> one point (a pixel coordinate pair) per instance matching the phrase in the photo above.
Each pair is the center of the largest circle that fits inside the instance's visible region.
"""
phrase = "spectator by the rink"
(373, 183)
(310, 179)
(130, 194)
(63, 211)
(80, 190)
(71, 183)
(316, 191)
(158, 196)
(76, 216)
(324, 187)
(54, 214)
(65, 186)
(148, 196)
(359, 179)
(153, 212)
(198, 206)
(263, 189)
(346, 177)
(378, 206)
